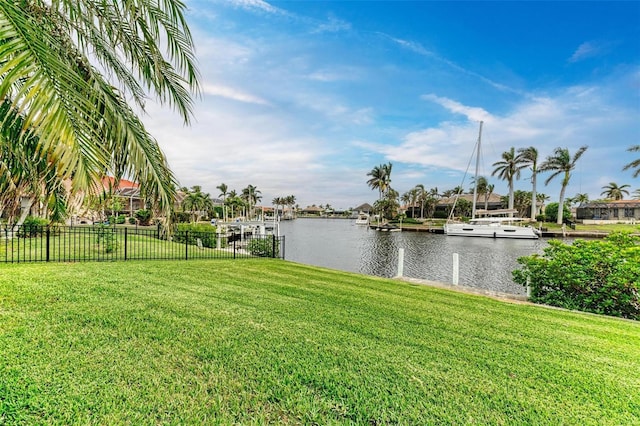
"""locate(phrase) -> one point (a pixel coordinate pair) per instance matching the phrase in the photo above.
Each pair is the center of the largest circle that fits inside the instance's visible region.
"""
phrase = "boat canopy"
(496, 212)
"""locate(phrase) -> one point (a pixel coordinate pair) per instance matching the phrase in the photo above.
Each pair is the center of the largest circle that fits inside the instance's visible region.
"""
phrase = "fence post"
(273, 247)
(48, 240)
(456, 269)
(125, 243)
(186, 245)
(400, 263)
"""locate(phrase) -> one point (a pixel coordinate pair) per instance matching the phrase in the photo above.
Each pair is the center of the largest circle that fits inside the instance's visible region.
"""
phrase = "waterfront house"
(609, 211)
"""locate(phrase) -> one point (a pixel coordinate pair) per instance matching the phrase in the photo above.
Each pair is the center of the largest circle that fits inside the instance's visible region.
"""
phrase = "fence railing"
(108, 243)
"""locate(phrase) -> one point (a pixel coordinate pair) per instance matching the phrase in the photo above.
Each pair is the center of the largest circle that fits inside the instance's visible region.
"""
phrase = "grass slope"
(268, 341)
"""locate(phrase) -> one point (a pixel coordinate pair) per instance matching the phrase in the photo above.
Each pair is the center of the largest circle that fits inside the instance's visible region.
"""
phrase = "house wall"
(609, 222)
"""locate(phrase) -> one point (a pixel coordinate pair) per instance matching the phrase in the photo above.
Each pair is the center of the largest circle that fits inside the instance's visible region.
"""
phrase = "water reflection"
(339, 244)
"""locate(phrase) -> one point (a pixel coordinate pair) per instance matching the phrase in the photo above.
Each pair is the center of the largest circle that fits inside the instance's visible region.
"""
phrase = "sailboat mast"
(475, 184)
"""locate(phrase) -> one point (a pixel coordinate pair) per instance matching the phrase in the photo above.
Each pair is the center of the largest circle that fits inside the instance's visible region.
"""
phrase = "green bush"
(440, 214)
(191, 232)
(551, 212)
(117, 220)
(144, 216)
(600, 276)
(264, 247)
(132, 221)
(181, 217)
(33, 227)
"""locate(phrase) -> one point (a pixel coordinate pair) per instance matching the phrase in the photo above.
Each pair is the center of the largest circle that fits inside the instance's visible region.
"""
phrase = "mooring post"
(400, 263)
(456, 268)
(528, 287)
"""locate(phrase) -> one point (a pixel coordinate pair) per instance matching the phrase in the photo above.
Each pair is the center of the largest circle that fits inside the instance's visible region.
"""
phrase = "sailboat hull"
(490, 230)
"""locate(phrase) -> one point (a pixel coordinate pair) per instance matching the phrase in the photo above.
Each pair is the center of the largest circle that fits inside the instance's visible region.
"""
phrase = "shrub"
(191, 232)
(144, 216)
(600, 276)
(264, 247)
(132, 221)
(551, 212)
(33, 227)
(116, 220)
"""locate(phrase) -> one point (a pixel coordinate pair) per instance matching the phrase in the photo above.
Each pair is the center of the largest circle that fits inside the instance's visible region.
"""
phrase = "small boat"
(388, 228)
(362, 219)
(490, 227)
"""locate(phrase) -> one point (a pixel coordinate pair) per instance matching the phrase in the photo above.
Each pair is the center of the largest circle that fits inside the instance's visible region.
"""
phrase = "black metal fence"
(108, 243)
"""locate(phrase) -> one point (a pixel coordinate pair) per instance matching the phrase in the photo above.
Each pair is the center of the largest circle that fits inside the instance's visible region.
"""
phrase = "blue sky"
(304, 98)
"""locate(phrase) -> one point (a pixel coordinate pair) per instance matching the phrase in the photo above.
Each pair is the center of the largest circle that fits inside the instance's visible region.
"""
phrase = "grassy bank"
(268, 341)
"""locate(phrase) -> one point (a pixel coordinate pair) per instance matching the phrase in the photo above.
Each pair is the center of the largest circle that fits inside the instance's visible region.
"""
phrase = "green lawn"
(257, 341)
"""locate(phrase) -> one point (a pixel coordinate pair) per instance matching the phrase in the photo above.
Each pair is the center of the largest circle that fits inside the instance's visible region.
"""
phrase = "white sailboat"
(492, 226)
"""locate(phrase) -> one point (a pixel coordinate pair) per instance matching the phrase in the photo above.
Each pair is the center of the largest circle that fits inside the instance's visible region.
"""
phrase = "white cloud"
(231, 93)
(586, 50)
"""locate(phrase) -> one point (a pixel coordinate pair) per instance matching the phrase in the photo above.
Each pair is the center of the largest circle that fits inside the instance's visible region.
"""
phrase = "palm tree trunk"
(534, 210)
(510, 197)
(561, 205)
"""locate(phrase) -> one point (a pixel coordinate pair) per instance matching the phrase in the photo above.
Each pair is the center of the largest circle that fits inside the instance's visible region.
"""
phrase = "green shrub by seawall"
(256, 341)
(600, 276)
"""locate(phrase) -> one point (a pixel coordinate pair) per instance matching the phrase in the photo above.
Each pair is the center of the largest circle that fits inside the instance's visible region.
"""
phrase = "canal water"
(485, 263)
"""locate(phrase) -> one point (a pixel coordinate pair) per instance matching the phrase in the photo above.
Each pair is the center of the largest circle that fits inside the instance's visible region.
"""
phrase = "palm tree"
(51, 56)
(420, 194)
(223, 188)
(529, 157)
(196, 202)
(561, 162)
(487, 195)
(580, 198)
(615, 192)
(509, 169)
(480, 187)
(636, 194)
(635, 164)
(251, 195)
(290, 200)
(26, 172)
(408, 198)
(380, 178)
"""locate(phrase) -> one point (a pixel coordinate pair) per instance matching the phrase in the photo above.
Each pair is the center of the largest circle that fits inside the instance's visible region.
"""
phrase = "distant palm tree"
(487, 195)
(561, 162)
(580, 198)
(615, 192)
(480, 187)
(251, 195)
(223, 188)
(529, 157)
(635, 164)
(380, 178)
(509, 169)
(636, 194)
(196, 202)
(448, 193)
(421, 196)
(290, 200)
